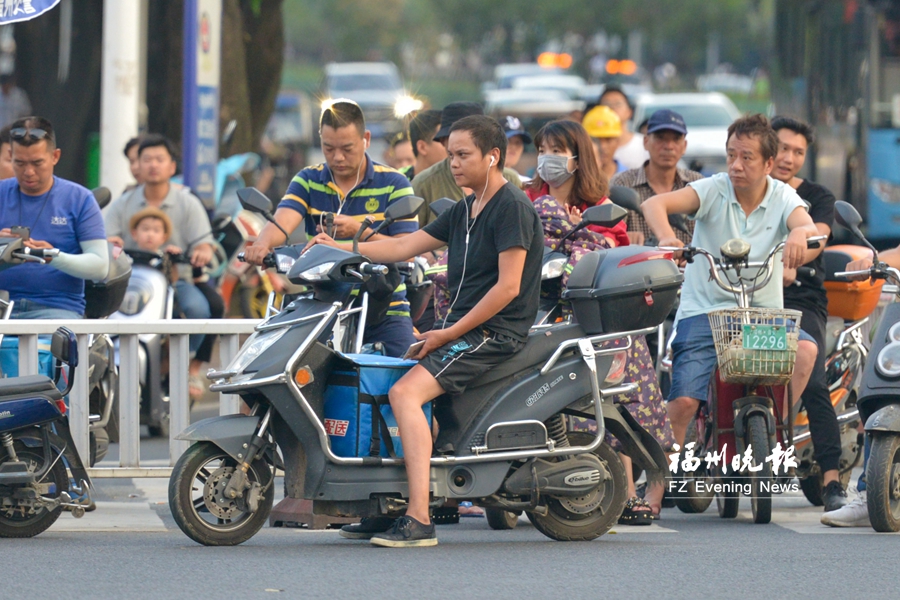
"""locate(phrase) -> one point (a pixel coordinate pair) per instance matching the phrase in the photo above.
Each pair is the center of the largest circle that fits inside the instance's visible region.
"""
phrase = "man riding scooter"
(351, 186)
(744, 203)
(49, 212)
(495, 246)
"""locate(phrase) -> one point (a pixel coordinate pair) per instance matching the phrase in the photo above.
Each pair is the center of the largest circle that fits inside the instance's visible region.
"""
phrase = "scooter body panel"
(26, 411)
(877, 392)
(231, 433)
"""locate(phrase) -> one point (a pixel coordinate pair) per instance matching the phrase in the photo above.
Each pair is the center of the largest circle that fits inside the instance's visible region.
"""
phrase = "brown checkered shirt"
(636, 179)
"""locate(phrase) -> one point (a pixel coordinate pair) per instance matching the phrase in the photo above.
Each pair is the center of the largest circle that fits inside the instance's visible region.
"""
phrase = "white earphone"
(492, 161)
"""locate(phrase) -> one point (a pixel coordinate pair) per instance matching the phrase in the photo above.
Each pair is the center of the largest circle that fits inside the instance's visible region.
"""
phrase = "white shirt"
(632, 155)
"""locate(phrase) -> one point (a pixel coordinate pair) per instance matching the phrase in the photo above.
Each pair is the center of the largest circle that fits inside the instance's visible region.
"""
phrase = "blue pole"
(190, 100)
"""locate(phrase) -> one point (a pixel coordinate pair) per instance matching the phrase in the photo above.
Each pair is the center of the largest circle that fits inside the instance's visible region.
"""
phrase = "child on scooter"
(151, 229)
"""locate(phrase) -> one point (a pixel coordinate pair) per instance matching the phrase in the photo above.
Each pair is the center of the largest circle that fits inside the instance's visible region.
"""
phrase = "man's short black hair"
(756, 125)
(341, 114)
(487, 134)
(797, 126)
(423, 127)
(34, 123)
(156, 140)
(4, 135)
(135, 141)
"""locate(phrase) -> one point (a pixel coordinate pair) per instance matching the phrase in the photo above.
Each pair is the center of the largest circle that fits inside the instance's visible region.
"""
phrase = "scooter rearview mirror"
(625, 197)
(404, 208)
(604, 215)
(441, 205)
(255, 201)
(102, 195)
(845, 214)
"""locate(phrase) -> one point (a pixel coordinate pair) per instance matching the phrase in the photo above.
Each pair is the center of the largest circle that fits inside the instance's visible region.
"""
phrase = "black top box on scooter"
(621, 289)
(103, 298)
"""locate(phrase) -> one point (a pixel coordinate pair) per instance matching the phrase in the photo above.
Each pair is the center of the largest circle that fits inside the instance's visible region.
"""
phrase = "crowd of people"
(486, 250)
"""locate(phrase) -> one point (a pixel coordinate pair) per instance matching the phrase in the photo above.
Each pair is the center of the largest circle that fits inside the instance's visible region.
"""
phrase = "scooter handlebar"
(269, 261)
(370, 269)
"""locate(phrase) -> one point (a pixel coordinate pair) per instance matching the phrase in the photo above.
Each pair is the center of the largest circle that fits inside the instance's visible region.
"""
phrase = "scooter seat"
(29, 384)
(833, 329)
(540, 346)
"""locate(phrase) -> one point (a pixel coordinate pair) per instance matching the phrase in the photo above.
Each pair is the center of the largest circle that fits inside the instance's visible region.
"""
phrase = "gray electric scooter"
(503, 443)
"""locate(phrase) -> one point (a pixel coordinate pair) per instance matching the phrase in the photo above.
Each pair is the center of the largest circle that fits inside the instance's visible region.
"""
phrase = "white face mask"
(554, 169)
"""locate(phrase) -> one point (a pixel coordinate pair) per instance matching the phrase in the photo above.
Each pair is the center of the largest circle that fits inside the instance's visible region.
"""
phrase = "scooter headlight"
(284, 262)
(894, 333)
(888, 360)
(553, 268)
(258, 343)
(317, 273)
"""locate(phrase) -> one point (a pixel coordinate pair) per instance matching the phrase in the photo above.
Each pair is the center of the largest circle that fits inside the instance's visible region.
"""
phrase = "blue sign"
(14, 11)
(200, 135)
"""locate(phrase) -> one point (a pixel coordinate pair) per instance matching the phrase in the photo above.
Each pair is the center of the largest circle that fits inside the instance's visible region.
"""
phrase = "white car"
(707, 117)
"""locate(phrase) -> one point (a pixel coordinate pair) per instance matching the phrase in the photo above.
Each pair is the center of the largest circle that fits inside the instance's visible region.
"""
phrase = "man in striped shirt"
(352, 186)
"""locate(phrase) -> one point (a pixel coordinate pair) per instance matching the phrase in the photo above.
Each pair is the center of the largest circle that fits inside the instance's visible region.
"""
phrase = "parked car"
(505, 74)
(707, 117)
(377, 88)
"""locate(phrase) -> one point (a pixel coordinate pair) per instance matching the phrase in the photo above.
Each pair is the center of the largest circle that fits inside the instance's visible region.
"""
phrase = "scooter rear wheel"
(197, 503)
(584, 519)
(14, 522)
(883, 483)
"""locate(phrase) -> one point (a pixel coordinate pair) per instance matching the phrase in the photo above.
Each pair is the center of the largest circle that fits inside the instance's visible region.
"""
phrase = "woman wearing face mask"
(567, 170)
(568, 175)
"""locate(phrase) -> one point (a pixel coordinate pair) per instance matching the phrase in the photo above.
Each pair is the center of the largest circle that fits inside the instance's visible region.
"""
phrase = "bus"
(838, 67)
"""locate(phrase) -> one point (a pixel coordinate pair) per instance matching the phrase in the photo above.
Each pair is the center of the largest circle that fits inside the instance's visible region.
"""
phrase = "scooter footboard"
(229, 432)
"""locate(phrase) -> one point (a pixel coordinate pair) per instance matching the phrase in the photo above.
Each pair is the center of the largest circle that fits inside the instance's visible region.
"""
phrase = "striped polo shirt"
(313, 193)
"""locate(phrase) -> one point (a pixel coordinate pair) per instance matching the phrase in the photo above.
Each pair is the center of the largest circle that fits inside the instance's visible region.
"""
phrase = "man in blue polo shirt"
(352, 186)
(49, 212)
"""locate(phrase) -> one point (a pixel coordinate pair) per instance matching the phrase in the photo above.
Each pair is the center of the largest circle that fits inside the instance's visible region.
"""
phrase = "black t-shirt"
(508, 220)
(811, 291)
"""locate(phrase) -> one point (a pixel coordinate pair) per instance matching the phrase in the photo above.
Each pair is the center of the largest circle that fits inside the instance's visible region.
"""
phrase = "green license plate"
(765, 337)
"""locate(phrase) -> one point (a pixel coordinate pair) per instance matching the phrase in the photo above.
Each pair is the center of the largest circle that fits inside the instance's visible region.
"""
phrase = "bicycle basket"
(756, 346)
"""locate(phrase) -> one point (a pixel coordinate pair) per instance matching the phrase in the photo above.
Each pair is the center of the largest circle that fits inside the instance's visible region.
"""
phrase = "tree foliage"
(503, 30)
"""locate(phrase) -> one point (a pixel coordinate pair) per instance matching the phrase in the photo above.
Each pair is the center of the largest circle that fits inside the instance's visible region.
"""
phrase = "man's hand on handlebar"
(789, 276)
(39, 245)
(201, 255)
(256, 254)
(674, 242)
(794, 249)
(863, 264)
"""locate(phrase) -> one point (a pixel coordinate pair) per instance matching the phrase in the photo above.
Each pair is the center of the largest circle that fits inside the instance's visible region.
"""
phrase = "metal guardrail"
(228, 330)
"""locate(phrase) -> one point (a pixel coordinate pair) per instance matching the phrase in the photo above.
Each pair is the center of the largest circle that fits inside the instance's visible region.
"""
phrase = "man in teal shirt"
(744, 203)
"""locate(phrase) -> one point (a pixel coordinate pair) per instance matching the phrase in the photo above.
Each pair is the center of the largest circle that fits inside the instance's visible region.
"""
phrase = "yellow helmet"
(602, 122)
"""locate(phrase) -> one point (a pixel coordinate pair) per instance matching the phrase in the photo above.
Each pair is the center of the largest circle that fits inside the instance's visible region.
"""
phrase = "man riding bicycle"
(744, 203)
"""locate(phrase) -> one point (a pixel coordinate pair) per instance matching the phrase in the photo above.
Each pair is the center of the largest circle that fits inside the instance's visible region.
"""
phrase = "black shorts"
(457, 363)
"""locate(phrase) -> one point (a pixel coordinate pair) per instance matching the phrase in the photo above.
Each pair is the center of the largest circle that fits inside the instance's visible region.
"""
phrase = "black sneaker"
(366, 528)
(834, 496)
(406, 533)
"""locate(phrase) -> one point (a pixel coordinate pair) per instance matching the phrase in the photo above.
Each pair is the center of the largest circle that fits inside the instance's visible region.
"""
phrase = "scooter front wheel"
(199, 506)
(883, 483)
(760, 488)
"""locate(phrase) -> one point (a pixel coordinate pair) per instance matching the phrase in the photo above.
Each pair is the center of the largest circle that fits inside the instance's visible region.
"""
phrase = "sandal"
(196, 387)
(637, 512)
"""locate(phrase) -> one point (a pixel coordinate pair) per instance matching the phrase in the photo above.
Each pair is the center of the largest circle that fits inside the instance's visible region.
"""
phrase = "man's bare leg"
(407, 397)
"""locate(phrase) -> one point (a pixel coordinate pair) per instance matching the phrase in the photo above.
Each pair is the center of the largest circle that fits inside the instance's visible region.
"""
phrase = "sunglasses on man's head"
(20, 133)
